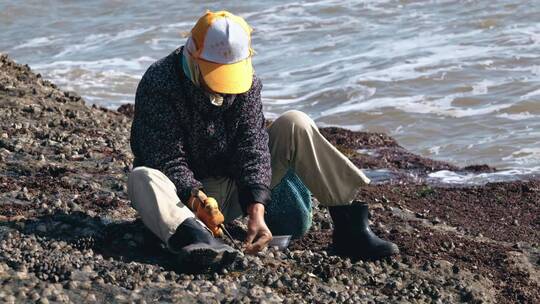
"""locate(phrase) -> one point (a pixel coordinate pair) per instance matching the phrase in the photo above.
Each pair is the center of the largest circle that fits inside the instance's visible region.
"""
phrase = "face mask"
(191, 70)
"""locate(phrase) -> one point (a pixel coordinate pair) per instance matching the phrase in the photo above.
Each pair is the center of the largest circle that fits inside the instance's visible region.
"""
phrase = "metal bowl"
(280, 241)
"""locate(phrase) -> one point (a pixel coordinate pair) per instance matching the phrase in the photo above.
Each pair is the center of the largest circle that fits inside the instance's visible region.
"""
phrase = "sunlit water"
(452, 80)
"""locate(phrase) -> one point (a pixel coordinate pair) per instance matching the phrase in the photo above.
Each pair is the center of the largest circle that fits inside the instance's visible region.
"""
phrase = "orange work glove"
(208, 212)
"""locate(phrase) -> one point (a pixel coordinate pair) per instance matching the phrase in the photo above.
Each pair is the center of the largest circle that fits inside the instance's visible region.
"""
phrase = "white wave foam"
(481, 87)
(180, 24)
(517, 116)
(351, 93)
(102, 64)
(162, 43)
(376, 103)
(451, 177)
(530, 94)
(458, 113)
(399, 130)
(524, 156)
(435, 150)
(36, 42)
(270, 115)
(418, 104)
(439, 53)
(533, 69)
(97, 41)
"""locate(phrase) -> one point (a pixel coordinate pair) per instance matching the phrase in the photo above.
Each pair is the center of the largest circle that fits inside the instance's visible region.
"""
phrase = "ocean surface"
(452, 80)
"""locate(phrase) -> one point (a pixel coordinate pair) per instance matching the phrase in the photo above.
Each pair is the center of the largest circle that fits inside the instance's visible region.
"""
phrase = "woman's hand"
(258, 234)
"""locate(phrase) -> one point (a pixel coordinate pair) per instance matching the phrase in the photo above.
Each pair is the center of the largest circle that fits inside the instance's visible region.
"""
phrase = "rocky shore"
(69, 235)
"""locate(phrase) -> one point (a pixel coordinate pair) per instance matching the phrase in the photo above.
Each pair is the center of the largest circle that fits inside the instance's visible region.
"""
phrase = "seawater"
(452, 80)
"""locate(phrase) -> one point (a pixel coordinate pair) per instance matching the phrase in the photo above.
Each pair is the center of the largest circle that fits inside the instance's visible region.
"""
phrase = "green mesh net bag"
(290, 210)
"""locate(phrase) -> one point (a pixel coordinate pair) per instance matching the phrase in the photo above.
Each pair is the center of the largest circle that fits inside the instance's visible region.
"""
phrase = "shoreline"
(67, 229)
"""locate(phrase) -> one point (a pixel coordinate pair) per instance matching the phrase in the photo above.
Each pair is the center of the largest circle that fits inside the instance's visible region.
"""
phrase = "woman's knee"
(298, 119)
(139, 174)
(141, 177)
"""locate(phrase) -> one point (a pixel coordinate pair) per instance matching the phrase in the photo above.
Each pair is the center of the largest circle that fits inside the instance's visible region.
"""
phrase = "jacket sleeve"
(157, 138)
(252, 151)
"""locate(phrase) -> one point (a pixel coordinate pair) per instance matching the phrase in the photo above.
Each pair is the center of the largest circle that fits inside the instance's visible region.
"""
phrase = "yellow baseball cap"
(220, 43)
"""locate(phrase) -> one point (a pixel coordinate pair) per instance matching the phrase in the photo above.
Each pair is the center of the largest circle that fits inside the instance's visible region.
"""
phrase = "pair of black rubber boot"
(352, 237)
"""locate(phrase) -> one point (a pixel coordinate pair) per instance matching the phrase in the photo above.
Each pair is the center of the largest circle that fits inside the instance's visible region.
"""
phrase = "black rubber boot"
(352, 236)
(197, 249)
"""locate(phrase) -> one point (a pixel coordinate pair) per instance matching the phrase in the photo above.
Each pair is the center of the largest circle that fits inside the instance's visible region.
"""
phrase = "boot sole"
(355, 253)
(200, 257)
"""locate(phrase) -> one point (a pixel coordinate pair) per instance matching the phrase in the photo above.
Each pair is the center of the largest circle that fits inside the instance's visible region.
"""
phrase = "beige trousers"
(295, 142)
